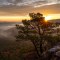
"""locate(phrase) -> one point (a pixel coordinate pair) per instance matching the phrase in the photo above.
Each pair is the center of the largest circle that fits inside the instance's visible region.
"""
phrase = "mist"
(7, 31)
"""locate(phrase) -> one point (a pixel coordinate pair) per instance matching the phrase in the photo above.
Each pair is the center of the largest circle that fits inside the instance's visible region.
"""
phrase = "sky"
(16, 10)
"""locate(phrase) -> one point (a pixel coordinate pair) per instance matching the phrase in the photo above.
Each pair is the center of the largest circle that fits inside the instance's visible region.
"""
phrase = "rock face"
(58, 53)
(54, 52)
(55, 48)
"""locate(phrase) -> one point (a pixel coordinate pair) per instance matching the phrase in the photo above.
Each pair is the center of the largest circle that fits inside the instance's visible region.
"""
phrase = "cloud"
(24, 7)
(25, 2)
(49, 9)
(52, 3)
(18, 2)
(24, 10)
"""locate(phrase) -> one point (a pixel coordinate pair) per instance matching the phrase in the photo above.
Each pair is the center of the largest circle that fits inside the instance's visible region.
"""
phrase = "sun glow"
(20, 18)
(12, 18)
(48, 18)
(52, 16)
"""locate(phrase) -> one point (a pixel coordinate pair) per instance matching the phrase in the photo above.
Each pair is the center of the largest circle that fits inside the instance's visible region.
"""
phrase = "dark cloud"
(25, 2)
(14, 1)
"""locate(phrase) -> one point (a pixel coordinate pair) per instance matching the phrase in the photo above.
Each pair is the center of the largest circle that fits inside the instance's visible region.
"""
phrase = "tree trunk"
(36, 49)
(41, 49)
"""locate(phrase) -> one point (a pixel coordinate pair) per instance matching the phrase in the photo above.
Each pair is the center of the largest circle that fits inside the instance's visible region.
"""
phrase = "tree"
(35, 30)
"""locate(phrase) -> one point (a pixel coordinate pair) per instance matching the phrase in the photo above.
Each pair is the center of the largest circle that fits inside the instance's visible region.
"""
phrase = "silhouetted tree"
(35, 30)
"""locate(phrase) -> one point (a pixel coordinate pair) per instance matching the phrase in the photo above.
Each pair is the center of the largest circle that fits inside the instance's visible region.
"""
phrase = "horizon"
(20, 18)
